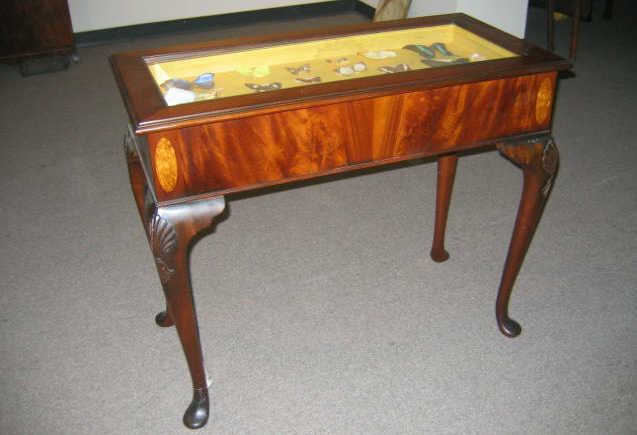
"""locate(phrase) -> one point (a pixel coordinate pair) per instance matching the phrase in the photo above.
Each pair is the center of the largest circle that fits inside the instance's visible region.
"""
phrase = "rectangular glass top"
(207, 76)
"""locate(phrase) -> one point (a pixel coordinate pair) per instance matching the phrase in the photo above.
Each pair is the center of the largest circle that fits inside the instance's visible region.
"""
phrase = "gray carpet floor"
(320, 309)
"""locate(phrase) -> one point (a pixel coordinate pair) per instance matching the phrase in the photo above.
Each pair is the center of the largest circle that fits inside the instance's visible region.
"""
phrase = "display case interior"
(184, 78)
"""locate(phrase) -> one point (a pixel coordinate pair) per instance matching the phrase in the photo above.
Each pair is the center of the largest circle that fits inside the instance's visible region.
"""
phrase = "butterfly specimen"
(296, 71)
(428, 54)
(308, 80)
(265, 87)
(401, 67)
(177, 83)
(444, 62)
(205, 80)
(441, 48)
(421, 50)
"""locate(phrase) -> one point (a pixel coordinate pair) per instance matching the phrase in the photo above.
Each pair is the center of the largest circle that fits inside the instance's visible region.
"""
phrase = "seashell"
(348, 70)
(382, 54)
(359, 67)
(345, 70)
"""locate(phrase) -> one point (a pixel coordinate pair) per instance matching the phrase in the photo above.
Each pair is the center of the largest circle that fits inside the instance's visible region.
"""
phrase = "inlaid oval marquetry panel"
(543, 100)
(166, 164)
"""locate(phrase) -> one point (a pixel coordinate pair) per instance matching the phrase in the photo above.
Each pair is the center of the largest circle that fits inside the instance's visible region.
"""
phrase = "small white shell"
(383, 54)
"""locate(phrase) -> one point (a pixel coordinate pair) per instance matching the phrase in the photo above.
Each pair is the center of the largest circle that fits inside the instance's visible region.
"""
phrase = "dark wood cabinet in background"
(36, 33)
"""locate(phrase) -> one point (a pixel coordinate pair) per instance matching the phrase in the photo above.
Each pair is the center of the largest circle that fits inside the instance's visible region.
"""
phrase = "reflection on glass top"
(211, 76)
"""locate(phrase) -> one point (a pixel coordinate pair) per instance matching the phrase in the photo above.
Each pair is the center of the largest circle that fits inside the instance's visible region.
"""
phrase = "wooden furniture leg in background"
(550, 25)
(539, 161)
(577, 18)
(575, 26)
(446, 175)
(171, 230)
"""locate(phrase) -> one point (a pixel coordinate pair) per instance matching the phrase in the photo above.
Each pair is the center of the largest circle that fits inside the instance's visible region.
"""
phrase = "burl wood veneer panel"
(256, 151)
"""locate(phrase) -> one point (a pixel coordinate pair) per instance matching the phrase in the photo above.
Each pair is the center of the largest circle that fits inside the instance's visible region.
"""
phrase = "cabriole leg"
(446, 175)
(171, 231)
(539, 161)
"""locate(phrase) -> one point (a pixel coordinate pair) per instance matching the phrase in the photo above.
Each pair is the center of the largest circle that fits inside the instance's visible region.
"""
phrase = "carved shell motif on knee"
(163, 241)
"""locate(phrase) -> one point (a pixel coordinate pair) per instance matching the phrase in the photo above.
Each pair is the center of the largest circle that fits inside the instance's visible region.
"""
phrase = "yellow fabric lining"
(322, 58)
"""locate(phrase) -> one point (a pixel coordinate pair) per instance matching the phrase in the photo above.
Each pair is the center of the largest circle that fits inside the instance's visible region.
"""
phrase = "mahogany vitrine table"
(215, 118)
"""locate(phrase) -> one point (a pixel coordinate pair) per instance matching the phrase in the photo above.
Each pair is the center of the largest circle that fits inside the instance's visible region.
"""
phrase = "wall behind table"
(507, 15)
(90, 15)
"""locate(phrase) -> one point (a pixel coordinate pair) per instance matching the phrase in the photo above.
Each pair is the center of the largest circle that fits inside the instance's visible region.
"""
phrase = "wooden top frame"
(149, 112)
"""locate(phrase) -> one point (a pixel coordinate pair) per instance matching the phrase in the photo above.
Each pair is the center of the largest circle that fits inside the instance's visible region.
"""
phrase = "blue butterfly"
(205, 80)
